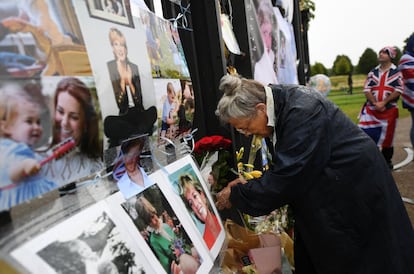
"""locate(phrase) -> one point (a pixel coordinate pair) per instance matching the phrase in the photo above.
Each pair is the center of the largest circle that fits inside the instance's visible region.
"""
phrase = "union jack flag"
(381, 85)
(119, 167)
(406, 66)
(380, 126)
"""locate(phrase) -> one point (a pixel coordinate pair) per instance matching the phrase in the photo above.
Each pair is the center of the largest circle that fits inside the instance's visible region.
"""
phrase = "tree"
(397, 57)
(406, 42)
(308, 5)
(318, 68)
(367, 61)
(342, 65)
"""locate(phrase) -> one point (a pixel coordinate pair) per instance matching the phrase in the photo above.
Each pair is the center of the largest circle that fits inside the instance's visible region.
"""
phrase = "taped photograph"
(88, 242)
(41, 37)
(171, 241)
(196, 199)
(116, 11)
(50, 136)
(133, 165)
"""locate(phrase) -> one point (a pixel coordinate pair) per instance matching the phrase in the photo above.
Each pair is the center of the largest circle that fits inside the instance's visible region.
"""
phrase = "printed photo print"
(164, 47)
(188, 186)
(263, 34)
(191, 190)
(88, 242)
(117, 11)
(132, 166)
(165, 235)
(41, 37)
(49, 137)
(175, 108)
(123, 77)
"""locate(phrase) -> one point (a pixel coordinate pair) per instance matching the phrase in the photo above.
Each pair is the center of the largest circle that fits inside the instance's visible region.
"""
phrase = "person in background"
(349, 215)
(379, 115)
(196, 201)
(135, 179)
(406, 66)
(75, 117)
(350, 82)
(20, 130)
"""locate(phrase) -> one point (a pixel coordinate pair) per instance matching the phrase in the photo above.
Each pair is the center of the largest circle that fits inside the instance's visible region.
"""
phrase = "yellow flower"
(247, 175)
(239, 154)
(256, 173)
(249, 166)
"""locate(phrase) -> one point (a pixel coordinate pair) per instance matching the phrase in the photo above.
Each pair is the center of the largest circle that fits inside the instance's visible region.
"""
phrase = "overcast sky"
(349, 27)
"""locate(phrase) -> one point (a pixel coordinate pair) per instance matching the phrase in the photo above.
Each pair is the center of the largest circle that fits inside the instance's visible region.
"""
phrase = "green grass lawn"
(352, 104)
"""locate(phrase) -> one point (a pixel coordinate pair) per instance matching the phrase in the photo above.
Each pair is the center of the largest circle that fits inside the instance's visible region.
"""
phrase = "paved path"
(404, 176)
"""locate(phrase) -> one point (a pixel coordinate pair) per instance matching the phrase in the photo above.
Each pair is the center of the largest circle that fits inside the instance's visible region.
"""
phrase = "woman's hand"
(224, 195)
(239, 180)
(223, 198)
(380, 106)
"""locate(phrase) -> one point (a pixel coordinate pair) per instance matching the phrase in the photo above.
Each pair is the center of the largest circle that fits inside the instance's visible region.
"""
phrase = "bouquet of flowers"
(213, 156)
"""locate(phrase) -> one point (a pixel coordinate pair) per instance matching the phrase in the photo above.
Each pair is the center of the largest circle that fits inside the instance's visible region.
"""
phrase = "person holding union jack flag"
(379, 115)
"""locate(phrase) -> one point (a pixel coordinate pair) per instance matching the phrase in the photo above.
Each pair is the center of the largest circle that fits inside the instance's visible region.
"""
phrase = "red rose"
(216, 140)
(219, 142)
(206, 143)
(225, 143)
(202, 145)
(211, 143)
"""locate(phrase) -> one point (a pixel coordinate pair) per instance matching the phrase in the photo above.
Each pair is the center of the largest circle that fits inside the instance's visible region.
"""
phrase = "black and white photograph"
(117, 11)
(88, 242)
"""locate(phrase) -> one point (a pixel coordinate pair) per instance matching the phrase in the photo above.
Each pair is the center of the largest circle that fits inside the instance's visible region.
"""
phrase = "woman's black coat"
(349, 215)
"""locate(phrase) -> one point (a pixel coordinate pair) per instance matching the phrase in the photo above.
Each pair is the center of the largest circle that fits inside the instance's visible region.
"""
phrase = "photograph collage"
(99, 89)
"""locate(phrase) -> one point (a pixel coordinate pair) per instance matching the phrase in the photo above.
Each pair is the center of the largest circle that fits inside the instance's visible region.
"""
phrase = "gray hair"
(240, 97)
